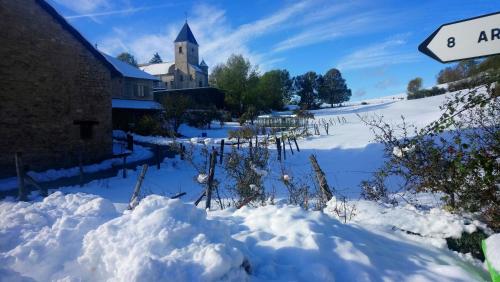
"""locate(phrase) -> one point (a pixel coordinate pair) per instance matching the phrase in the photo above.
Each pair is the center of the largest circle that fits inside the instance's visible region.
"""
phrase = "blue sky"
(373, 43)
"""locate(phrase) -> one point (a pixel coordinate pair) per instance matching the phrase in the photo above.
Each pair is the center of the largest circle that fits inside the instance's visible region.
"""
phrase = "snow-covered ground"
(85, 233)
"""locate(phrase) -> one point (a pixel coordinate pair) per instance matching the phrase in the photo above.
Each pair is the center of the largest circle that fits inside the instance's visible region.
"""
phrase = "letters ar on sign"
(466, 39)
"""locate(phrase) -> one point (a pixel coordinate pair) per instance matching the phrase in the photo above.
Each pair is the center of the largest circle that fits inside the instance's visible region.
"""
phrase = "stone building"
(186, 72)
(55, 98)
(132, 95)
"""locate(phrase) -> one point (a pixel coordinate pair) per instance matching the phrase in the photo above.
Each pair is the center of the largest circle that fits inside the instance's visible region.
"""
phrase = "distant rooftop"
(157, 69)
(127, 70)
(186, 35)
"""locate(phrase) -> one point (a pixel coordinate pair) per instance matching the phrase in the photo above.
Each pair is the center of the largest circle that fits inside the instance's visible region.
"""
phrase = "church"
(186, 72)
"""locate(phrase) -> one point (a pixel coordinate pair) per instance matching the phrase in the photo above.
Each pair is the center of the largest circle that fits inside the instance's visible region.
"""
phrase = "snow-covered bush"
(456, 155)
(245, 169)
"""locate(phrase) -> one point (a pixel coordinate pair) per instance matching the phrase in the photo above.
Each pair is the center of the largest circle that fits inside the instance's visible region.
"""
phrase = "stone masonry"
(49, 79)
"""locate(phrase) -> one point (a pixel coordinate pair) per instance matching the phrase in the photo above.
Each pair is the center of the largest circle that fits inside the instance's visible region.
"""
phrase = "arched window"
(180, 49)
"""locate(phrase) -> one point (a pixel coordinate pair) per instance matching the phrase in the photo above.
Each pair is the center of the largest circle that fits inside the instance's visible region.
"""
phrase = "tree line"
(248, 92)
(462, 75)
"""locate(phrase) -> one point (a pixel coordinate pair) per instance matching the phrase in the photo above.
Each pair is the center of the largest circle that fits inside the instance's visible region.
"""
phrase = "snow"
(286, 243)
(162, 238)
(493, 251)
(38, 239)
(135, 104)
(168, 238)
(157, 69)
(127, 70)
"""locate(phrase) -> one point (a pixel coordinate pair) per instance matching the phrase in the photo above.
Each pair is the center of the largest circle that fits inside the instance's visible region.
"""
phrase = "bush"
(426, 93)
(149, 125)
(455, 155)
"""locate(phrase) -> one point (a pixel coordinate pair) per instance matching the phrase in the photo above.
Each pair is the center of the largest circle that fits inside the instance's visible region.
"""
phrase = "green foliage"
(238, 78)
(333, 88)
(156, 59)
(468, 243)
(203, 118)
(250, 115)
(175, 110)
(274, 89)
(307, 86)
(149, 125)
(127, 58)
(414, 85)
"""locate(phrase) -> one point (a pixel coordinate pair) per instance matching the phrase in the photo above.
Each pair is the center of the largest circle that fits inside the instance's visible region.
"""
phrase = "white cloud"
(388, 52)
(84, 6)
(217, 38)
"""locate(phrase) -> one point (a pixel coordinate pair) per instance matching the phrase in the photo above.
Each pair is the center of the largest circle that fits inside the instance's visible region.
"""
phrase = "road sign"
(466, 39)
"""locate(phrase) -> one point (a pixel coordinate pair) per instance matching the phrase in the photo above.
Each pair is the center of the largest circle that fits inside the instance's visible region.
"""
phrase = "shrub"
(149, 125)
(455, 155)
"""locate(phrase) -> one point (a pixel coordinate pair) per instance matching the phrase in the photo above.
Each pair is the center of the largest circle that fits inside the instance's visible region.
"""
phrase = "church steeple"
(186, 35)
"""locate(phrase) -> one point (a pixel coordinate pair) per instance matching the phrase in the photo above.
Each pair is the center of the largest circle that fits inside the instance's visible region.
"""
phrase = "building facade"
(55, 99)
(186, 71)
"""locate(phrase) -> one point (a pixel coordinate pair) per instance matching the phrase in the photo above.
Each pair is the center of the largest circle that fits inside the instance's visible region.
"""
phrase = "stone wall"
(49, 79)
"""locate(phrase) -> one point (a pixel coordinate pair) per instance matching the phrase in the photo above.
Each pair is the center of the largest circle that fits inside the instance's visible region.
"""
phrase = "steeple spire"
(186, 35)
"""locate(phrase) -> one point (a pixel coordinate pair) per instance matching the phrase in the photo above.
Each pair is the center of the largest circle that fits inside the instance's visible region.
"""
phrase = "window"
(181, 77)
(141, 90)
(180, 49)
(86, 128)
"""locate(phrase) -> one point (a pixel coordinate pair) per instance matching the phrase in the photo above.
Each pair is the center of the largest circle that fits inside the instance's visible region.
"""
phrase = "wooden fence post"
(134, 200)
(20, 177)
(296, 145)
(238, 145)
(290, 144)
(284, 147)
(130, 142)
(278, 147)
(158, 157)
(320, 175)
(124, 173)
(211, 173)
(182, 151)
(221, 151)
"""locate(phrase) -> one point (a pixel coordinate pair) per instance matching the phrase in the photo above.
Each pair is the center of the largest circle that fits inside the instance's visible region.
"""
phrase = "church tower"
(186, 56)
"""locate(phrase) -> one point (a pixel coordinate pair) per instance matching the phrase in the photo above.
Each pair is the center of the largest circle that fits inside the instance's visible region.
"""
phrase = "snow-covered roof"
(127, 70)
(135, 104)
(196, 68)
(157, 69)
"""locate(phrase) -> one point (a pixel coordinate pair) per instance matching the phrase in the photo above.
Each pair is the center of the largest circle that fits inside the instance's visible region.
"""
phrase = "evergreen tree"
(307, 86)
(275, 89)
(127, 58)
(156, 59)
(333, 88)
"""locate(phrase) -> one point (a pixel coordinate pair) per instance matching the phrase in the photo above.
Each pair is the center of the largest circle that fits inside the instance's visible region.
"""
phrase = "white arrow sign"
(466, 39)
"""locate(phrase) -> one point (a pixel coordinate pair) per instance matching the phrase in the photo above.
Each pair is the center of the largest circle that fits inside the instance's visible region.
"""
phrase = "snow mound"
(38, 239)
(434, 223)
(493, 251)
(162, 238)
(287, 243)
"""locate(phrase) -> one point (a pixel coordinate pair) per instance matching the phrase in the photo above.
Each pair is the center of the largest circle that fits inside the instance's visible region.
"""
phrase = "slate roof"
(203, 64)
(127, 70)
(186, 35)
